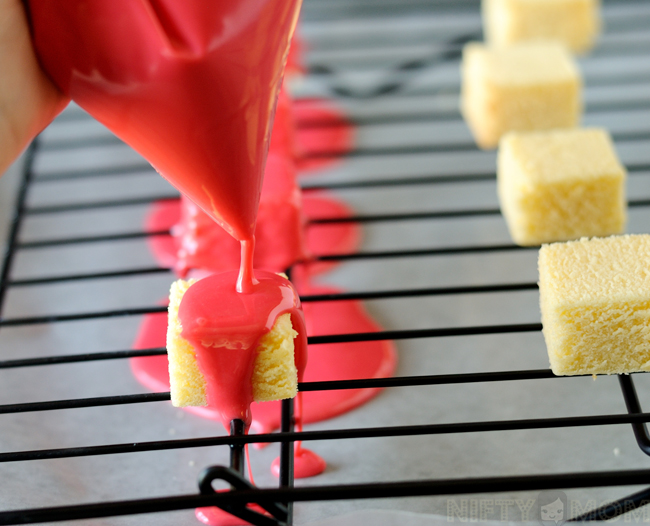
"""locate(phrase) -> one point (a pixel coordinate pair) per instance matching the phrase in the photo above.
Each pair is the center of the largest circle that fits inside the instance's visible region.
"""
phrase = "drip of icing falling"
(246, 279)
(306, 463)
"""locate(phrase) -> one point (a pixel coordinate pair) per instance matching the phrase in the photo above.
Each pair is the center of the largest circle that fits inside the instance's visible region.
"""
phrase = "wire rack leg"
(237, 459)
(633, 407)
(276, 512)
(636, 500)
(287, 454)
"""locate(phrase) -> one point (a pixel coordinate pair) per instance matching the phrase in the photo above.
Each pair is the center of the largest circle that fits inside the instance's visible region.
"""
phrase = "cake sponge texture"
(576, 23)
(275, 376)
(529, 86)
(560, 185)
(595, 303)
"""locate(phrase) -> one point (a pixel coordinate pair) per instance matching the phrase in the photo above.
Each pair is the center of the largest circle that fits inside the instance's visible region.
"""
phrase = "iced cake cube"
(275, 376)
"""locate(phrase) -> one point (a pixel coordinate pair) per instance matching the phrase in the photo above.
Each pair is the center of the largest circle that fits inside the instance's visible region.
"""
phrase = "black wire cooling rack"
(76, 239)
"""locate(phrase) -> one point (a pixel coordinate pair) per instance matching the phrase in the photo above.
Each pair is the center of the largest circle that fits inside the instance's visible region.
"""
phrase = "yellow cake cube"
(595, 302)
(561, 184)
(275, 376)
(576, 23)
(530, 86)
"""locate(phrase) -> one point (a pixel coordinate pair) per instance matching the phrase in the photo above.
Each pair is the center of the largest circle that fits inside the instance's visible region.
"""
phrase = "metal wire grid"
(425, 106)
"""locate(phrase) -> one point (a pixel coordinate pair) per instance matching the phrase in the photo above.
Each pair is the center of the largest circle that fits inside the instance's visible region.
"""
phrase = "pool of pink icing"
(321, 126)
(342, 238)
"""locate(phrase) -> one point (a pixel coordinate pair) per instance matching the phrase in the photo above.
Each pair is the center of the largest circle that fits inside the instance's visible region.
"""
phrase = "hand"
(29, 101)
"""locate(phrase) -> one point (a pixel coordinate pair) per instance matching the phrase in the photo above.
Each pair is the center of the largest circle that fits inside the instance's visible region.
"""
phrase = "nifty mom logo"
(551, 508)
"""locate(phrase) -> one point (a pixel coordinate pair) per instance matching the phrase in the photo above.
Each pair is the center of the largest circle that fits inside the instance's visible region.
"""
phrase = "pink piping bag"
(191, 85)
